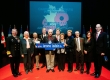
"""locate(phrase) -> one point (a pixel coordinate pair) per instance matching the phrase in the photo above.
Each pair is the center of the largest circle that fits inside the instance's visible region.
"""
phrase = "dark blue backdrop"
(62, 15)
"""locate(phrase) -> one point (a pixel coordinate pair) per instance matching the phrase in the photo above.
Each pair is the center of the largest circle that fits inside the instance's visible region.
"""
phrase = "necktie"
(96, 36)
(78, 45)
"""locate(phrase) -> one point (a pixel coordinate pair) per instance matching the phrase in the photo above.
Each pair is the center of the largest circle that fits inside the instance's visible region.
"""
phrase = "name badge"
(18, 40)
(49, 42)
(37, 42)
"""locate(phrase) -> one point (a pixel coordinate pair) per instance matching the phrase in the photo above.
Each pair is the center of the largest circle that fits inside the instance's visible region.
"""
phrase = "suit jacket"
(101, 43)
(56, 37)
(70, 43)
(13, 45)
(41, 37)
(53, 40)
(88, 46)
(81, 44)
(23, 49)
(42, 50)
(36, 50)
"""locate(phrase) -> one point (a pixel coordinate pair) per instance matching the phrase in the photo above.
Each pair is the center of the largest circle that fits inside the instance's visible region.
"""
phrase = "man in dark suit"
(57, 35)
(27, 50)
(50, 54)
(42, 50)
(79, 44)
(13, 51)
(100, 49)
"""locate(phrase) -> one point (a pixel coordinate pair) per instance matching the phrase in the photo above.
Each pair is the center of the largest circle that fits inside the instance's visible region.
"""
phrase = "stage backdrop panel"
(62, 15)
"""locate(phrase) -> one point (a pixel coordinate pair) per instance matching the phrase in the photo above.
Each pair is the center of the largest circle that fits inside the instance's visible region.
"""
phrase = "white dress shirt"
(27, 42)
(78, 42)
(98, 33)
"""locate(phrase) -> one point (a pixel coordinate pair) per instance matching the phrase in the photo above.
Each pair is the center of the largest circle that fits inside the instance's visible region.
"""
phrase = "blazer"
(101, 43)
(61, 50)
(70, 43)
(41, 37)
(88, 46)
(23, 49)
(56, 37)
(13, 46)
(53, 40)
(36, 50)
(81, 44)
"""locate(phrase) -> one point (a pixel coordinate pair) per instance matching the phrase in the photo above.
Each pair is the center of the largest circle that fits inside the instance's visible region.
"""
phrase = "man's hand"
(65, 44)
(22, 55)
(102, 54)
(10, 55)
(35, 46)
(85, 51)
(39, 54)
(31, 55)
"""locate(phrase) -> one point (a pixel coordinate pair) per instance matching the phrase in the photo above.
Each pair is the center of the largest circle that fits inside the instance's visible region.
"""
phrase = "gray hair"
(50, 30)
(26, 32)
(14, 30)
(98, 25)
(76, 32)
(34, 33)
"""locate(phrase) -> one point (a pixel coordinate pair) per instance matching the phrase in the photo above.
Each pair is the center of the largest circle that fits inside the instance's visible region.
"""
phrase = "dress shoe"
(69, 71)
(26, 71)
(76, 69)
(92, 74)
(62, 69)
(59, 70)
(19, 74)
(47, 70)
(43, 66)
(37, 68)
(52, 70)
(15, 75)
(97, 76)
(81, 71)
(85, 71)
(30, 71)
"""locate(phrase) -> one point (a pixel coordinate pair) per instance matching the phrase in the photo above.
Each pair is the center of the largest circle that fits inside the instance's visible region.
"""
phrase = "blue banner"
(48, 46)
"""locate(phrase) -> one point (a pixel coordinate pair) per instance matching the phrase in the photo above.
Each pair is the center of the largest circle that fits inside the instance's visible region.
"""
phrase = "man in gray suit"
(79, 42)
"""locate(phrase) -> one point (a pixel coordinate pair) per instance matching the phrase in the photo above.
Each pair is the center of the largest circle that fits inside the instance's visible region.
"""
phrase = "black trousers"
(32, 61)
(61, 61)
(70, 60)
(14, 64)
(43, 58)
(27, 60)
(98, 63)
(88, 60)
(56, 58)
(79, 60)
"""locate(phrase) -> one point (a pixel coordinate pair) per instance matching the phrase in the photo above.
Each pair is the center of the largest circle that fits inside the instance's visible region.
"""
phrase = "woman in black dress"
(88, 48)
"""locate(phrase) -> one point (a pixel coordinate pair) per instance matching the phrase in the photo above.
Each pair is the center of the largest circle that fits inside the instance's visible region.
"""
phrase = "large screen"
(55, 15)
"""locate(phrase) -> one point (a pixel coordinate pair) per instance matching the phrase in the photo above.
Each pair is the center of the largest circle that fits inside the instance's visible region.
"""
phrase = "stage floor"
(5, 74)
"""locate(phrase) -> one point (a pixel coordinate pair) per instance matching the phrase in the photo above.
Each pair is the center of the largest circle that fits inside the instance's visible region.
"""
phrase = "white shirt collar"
(26, 38)
(99, 32)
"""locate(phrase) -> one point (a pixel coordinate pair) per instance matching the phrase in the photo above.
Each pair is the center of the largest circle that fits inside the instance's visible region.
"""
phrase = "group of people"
(77, 47)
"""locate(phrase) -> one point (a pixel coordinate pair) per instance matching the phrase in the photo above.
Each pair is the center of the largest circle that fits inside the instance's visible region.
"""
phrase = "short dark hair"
(62, 34)
(58, 29)
(89, 32)
(69, 31)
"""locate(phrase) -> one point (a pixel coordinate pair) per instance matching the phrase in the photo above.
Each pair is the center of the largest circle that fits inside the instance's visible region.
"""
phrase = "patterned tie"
(78, 46)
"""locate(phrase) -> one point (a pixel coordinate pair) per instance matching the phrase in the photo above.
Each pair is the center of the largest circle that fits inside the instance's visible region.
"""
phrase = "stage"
(5, 74)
